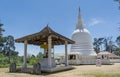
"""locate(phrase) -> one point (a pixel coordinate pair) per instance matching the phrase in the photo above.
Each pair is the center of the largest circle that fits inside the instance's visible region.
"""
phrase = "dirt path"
(79, 71)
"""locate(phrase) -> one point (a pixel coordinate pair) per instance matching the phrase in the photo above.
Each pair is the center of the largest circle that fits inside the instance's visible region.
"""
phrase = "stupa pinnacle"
(80, 23)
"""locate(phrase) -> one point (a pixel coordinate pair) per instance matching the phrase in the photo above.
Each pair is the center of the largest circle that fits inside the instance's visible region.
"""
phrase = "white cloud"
(94, 22)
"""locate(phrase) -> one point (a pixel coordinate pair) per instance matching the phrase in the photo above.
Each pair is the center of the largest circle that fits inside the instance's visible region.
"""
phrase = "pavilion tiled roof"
(40, 37)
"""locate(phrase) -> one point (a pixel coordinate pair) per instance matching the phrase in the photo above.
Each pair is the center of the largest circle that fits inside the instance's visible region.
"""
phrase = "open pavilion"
(50, 38)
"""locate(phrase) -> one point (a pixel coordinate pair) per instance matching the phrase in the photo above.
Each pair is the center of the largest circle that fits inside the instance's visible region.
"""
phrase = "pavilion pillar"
(66, 54)
(49, 51)
(25, 54)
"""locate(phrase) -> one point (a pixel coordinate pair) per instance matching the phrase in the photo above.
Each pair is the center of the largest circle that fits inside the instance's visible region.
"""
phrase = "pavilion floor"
(58, 68)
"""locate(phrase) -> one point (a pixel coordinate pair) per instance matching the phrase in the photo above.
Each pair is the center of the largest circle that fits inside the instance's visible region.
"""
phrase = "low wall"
(115, 60)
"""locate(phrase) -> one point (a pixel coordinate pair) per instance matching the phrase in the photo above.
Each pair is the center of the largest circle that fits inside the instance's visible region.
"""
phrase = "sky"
(24, 17)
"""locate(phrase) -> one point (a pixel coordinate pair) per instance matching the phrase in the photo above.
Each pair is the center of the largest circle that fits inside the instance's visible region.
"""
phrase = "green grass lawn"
(101, 75)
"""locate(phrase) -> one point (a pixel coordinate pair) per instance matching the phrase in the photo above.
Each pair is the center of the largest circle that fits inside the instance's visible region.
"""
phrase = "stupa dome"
(82, 36)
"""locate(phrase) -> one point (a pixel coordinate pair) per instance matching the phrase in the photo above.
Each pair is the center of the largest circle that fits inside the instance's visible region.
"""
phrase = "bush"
(4, 60)
(4, 65)
(32, 61)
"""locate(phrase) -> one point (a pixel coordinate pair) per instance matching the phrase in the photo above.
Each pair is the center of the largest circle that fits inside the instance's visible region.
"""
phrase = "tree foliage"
(8, 53)
(118, 2)
(117, 52)
(2, 39)
(97, 43)
(9, 48)
(104, 44)
(1, 29)
(39, 55)
(109, 44)
(118, 41)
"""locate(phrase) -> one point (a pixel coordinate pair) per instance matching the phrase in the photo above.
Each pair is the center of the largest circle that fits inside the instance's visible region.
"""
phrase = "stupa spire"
(79, 15)
(80, 23)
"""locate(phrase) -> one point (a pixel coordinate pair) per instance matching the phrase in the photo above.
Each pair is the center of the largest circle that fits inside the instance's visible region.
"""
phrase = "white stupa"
(82, 39)
(83, 44)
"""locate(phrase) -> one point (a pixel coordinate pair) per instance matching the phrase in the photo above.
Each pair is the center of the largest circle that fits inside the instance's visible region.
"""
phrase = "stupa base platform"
(77, 59)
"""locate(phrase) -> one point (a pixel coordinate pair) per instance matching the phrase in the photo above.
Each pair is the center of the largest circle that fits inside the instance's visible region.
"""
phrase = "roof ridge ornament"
(48, 28)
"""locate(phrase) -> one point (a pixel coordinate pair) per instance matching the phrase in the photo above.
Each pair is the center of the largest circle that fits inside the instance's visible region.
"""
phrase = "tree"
(9, 48)
(98, 44)
(118, 2)
(118, 41)
(117, 52)
(2, 39)
(106, 43)
(109, 45)
(1, 29)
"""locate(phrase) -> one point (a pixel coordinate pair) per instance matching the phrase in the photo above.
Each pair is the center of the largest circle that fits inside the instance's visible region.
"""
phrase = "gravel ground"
(79, 71)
